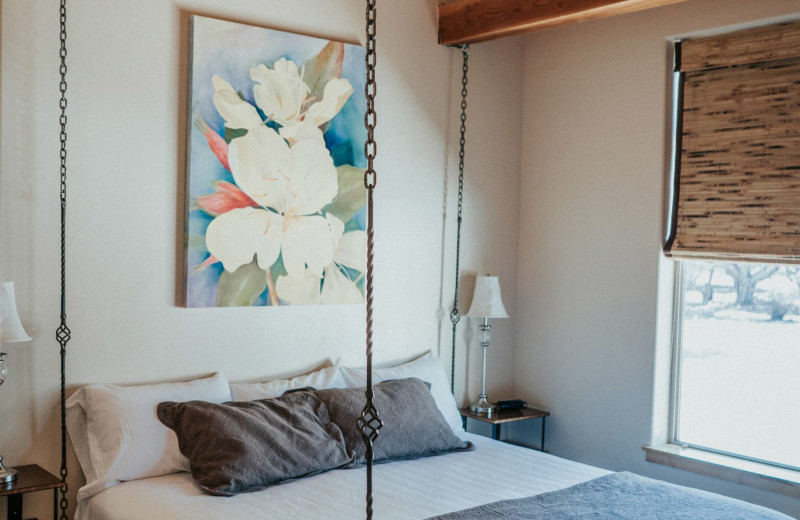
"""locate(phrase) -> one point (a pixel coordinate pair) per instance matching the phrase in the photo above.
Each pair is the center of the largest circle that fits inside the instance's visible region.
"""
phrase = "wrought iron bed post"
(369, 423)
(63, 332)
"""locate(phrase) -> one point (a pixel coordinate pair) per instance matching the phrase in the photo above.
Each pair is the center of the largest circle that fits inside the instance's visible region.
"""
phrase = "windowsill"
(748, 473)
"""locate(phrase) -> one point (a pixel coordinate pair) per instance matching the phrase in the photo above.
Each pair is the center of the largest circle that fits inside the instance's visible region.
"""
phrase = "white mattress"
(404, 490)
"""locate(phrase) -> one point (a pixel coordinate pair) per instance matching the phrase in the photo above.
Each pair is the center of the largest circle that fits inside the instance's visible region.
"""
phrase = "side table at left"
(29, 479)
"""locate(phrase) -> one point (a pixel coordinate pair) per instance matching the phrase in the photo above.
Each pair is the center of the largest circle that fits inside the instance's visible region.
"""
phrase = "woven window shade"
(737, 175)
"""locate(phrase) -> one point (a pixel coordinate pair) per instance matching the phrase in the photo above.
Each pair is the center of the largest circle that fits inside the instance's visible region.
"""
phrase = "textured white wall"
(127, 80)
(595, 156)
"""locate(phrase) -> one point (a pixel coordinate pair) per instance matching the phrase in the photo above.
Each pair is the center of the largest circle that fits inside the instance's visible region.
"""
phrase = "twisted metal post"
(369, 423)
(63, 332)
(455, 315)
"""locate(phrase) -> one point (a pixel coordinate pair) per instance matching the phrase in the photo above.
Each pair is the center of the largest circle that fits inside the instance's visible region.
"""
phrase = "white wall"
(581, 289)
(595, 155)
(127, 98)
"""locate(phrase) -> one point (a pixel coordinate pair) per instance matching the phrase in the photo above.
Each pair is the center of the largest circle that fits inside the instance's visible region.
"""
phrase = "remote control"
(511, 404)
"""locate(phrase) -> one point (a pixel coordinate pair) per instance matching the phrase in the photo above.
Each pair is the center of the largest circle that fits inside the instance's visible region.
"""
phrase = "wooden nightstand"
(29, 479)
(500, 417)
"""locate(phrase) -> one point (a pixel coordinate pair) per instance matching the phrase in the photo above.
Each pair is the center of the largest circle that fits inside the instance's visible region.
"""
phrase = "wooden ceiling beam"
(469, 21)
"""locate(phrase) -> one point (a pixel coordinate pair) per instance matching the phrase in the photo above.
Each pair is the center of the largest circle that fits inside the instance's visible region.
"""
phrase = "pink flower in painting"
(227, 197)
(215, 141)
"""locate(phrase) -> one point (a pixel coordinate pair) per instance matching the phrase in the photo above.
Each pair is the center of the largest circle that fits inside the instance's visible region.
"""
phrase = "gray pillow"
(413, 426)
(247, 446)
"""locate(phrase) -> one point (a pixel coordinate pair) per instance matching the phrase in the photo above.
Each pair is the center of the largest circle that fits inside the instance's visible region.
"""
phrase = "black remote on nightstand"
(511, 404)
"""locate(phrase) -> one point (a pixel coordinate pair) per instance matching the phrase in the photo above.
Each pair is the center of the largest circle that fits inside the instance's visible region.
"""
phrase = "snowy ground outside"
(740, 384)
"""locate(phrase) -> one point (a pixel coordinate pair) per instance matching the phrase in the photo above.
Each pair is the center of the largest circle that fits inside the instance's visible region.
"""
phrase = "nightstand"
(29, 479)
(500, 417)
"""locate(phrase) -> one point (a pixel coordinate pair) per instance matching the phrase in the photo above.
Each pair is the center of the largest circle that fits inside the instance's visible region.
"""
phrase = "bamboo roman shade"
(737, 171)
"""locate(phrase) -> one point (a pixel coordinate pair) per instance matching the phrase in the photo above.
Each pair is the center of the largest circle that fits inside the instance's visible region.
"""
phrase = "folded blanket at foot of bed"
(620, 496)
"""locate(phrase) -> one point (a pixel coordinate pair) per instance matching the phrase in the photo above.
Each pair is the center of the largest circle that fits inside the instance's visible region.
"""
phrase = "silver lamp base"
(6, 474)
(482, 406)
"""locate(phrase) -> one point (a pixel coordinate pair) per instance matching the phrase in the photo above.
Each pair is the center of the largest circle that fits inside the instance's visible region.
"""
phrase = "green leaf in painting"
(323, 67)
(197, 241)
(352, 194)
(278, 269)
(233, 133)
(242, 287)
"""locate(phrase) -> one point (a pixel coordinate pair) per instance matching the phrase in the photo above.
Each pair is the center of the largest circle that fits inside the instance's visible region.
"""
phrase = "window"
(737, 369)
(735, 204)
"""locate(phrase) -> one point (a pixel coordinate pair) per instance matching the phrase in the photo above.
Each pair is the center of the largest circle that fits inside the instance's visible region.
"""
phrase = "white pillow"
(429, 369)
(322, 379)
(117, 435)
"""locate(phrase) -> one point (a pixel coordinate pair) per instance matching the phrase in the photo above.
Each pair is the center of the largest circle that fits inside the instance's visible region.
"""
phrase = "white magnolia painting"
(276, 201)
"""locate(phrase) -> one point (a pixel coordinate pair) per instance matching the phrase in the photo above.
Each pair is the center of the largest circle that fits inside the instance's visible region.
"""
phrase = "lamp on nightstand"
(11, 331)
(486, 303)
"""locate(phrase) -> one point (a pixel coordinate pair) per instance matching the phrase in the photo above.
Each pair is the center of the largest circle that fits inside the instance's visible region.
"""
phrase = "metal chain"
(63, 332)
(455, 315)
(370, 117)
(369, 423)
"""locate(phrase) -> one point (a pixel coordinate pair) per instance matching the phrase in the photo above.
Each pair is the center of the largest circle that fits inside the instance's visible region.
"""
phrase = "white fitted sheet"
(403, 490)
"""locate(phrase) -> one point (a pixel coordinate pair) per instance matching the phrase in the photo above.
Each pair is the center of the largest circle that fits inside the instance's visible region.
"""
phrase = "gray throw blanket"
(620, 496)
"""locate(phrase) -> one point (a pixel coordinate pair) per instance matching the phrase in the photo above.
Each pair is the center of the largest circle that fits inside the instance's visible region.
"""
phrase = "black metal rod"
(63, 332)
(369, 423)
(543, 427)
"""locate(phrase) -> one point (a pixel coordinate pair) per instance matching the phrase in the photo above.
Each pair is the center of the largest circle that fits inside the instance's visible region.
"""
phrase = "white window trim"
(676, 341)
(662, 449)
(726, 467)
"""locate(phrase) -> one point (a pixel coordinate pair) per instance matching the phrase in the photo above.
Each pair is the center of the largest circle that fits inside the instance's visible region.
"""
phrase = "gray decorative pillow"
(247, 446)
(413, 426)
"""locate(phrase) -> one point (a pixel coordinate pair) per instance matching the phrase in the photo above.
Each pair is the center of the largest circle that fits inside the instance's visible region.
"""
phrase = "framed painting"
(275, 165)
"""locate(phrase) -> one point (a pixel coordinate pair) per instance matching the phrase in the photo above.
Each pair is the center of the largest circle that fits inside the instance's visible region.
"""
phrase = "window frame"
(676, 344)
(679, 300)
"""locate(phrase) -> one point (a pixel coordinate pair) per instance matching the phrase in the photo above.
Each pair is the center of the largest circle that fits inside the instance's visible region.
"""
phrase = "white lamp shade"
(11, 329)
(486, 300)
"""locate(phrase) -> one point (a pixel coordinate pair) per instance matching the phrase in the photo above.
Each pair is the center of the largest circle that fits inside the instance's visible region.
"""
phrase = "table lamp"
(486, 303)
(11, 331)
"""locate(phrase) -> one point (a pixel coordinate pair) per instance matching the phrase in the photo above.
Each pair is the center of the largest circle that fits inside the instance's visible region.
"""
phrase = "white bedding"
(404, 490)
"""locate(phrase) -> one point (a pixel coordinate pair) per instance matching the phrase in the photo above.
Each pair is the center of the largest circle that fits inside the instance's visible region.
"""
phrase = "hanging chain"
(455, 315)
(63, 333)
(369, 423)
(370, 117)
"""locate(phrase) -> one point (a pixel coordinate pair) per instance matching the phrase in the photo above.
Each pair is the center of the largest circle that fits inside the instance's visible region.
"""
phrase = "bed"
(141, 464)
(404, 490)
